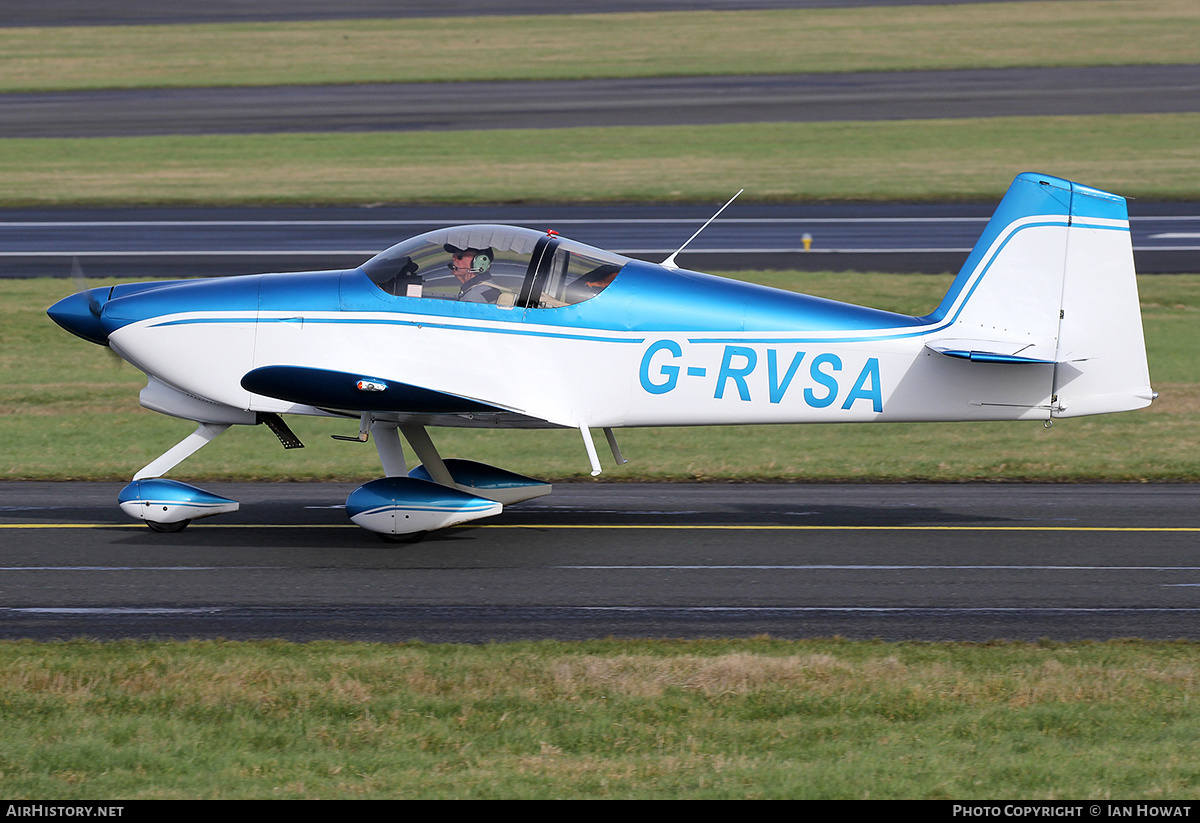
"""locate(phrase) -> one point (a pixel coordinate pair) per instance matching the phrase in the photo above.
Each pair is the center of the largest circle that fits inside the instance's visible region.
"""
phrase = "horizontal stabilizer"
(327, 389)
(992, 351)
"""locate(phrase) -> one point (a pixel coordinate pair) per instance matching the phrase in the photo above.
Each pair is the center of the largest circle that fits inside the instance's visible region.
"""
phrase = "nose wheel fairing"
(171, 504)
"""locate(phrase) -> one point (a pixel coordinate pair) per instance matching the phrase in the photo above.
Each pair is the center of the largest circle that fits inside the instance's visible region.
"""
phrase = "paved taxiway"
(652, 101)
(971, 562)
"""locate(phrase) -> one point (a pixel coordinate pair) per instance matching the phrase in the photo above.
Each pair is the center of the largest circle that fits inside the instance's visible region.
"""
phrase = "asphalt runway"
(168, 243)
(895, 562)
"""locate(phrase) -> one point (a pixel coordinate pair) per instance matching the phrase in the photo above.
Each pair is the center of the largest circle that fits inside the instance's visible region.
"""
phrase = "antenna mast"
(670, 261)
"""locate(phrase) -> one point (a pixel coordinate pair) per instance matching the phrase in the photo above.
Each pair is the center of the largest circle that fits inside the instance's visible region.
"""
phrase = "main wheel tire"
(413, 537)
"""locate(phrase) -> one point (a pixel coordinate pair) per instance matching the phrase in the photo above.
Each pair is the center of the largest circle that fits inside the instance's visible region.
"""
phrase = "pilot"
(473, 268)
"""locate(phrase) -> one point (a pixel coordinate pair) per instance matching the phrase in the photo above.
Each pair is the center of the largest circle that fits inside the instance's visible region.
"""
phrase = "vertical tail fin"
(1051, 281)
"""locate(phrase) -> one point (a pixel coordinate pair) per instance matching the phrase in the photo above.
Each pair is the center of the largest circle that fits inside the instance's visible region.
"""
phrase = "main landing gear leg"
(427, 453)
(391, 452)
(185, 448)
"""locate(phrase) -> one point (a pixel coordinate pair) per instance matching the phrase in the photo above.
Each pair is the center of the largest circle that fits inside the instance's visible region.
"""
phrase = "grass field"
(605, 719)
(69, 410)
(989, 35)
(1149, 156)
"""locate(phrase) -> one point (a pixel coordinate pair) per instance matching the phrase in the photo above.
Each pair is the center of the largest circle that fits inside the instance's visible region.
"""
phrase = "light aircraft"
(503, 327)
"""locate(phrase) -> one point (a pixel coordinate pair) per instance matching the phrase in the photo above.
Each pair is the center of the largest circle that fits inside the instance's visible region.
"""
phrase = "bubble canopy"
(500, 265)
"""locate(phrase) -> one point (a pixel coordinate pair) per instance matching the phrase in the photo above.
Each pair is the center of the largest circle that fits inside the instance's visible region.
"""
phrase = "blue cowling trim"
(225, 294)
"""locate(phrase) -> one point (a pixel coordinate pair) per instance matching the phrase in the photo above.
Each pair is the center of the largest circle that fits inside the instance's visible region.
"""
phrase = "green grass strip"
(69, 410)
(1145, 155)
(604, 719)
(992, 35)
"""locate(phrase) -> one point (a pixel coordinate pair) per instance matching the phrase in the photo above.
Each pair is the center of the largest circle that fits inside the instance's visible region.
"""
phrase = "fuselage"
(656, 347)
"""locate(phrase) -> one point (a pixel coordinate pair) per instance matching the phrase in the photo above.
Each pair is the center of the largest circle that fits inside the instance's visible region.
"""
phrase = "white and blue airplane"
(503, 327)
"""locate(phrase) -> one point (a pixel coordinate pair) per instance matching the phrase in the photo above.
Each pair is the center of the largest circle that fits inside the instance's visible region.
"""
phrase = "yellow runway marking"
(141, 526)
(641, 527)
(866, 528)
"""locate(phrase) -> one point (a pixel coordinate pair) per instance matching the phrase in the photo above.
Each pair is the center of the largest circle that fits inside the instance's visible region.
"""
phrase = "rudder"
(1101, 347)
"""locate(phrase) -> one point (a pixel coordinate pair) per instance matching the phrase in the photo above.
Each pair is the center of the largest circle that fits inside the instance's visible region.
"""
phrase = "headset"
(480, 263)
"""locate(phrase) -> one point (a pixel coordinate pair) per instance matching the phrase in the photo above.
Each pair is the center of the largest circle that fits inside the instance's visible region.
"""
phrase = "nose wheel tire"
(167, 528)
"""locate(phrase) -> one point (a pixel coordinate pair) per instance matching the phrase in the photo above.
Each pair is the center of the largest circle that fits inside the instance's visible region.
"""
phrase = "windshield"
(500, 265)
